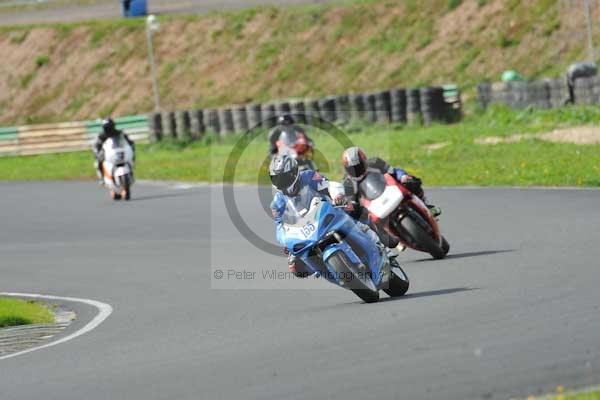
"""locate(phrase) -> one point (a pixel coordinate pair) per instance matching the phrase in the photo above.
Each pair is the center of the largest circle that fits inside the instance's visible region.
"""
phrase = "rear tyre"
(343, 268)
(398, 284)
(127, 187)
(422, 238)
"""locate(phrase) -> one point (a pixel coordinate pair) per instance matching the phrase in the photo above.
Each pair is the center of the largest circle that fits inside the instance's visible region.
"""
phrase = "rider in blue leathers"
(289, 181)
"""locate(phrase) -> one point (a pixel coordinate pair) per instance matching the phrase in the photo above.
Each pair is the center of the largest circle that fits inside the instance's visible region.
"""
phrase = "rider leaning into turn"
(109, 130)
(358, 166)
(284, 122)
(289, 181)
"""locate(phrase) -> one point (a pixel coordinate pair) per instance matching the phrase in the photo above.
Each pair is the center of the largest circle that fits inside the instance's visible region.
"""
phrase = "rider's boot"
(435, 210)
(98, 166)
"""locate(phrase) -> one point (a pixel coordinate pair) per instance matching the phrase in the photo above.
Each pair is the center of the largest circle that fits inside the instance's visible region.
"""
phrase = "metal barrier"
(66, 136)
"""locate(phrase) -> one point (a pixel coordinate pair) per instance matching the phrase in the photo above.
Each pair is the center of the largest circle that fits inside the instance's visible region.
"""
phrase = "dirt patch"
(582, 135)
(436, 146)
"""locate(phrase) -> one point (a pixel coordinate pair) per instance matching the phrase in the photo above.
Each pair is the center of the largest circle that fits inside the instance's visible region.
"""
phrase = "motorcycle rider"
(288, 181)
(285, 123)
(357, 167)
(109, 130)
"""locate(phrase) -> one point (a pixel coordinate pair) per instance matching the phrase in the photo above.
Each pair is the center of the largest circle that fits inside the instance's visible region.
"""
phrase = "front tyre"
(398, 284)
(343, 269)
(422, 238)
(445, 245)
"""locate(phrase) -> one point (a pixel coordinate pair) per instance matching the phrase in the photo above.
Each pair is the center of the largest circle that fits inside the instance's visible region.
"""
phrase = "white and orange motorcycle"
(117, 167)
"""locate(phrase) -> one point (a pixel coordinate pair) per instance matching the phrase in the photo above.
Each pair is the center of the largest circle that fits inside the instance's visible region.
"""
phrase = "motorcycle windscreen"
(385, 204)
(372, 186)
(301, 220)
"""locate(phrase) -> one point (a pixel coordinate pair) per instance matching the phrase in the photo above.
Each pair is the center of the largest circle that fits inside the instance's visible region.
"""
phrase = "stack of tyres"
(226, 121)
(371, 108)
(383, 107)
(299, 112)
(559, 92)
(269, 115)
(240, 120)
(184, 125)
(413, 106)
(432, 104)
(357, 106)
(398, 105)
(212, 118)
(156, 127)
(253, 111)
(198, 126)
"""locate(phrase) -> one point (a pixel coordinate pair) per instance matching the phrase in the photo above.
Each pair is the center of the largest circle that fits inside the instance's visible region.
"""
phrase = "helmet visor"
(356, 171)
(284, 180)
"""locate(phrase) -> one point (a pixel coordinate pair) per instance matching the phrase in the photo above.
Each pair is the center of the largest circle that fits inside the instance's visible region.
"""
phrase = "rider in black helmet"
(285, 123)
(109, 130)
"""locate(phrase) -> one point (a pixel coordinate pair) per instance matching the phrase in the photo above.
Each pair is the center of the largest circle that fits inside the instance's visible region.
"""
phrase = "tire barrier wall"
(397, 106)
(547, 93)
(70, 136)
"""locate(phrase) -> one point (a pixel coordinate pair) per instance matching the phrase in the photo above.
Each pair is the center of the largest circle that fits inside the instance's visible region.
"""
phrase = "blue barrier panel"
(134, 8)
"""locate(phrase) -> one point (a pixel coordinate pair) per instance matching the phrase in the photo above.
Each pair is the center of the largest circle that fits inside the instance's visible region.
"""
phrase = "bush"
(40, 61)
(452, 4)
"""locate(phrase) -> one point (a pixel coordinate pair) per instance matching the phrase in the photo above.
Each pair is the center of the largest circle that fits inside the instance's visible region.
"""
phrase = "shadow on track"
(427, 294)
(163, 196)
(464, 255)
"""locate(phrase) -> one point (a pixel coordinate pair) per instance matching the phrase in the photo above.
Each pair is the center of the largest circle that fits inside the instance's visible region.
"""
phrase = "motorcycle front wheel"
(398, 284)
(344, 268)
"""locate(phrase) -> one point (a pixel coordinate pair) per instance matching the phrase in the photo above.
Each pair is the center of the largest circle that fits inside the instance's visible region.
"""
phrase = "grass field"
(21, 312)
(562, 395)
(441, 154)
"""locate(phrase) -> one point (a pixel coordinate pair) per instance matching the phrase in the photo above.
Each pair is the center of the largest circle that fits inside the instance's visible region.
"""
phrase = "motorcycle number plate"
(383, 206)
(304, 232)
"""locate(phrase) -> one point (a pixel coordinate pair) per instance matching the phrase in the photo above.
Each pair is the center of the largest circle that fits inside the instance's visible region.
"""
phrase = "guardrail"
(66, 136)
(397, 106)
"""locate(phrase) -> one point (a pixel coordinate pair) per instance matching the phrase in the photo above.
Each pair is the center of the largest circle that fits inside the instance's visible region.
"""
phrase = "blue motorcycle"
(333, 246)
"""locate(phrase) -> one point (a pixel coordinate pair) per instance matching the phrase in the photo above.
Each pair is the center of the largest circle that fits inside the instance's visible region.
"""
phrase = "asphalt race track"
(112, 9)
(513, 311)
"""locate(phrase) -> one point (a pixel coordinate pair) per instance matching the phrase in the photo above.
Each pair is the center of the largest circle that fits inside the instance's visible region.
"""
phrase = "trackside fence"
(65, 137)
(396, 106)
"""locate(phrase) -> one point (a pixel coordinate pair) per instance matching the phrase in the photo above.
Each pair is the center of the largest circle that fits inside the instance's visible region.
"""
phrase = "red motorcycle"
(402, 214)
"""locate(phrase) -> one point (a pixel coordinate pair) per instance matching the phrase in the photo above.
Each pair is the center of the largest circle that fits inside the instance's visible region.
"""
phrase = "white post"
(591, 53)
(152, 26)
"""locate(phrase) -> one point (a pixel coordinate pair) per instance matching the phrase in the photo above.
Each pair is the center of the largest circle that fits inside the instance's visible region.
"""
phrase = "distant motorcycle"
(117, 167)
(297, 145)
(332, 246)
(402, 214)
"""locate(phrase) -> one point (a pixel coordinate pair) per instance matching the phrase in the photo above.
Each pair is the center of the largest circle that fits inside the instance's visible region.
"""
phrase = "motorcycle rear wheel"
(126, 188)
(422, 238)
(342, 267)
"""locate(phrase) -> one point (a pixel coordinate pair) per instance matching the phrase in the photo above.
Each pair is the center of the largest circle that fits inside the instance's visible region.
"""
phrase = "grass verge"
(440, 154)
(22, 312)
(560, 394)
